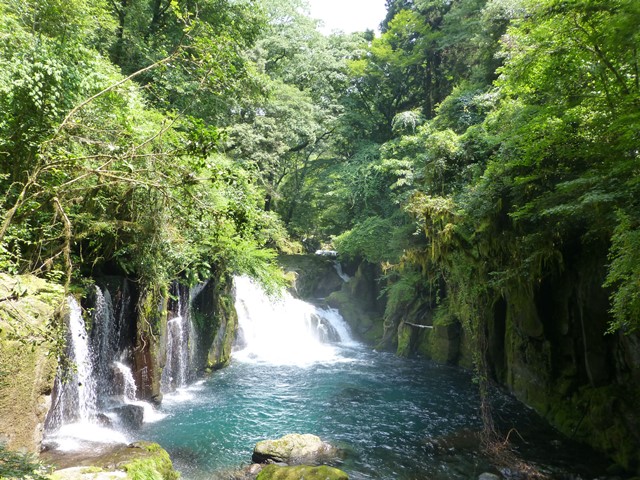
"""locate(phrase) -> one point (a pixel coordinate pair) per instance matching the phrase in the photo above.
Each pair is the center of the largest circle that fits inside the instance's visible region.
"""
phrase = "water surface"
(384, 412)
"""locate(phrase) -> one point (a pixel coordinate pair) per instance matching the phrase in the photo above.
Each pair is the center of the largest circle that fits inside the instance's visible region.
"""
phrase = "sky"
(348, 15)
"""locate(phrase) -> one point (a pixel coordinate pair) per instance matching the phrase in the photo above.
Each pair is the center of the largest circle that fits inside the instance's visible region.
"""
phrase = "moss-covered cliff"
(31, 311)
(547, 343)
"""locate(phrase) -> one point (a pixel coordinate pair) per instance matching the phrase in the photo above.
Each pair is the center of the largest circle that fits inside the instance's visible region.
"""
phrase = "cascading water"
(175, 371)
(105, 337)
(72, 420)
(285, 330)
(94, 382)
(129, 384)
(76, 398)
(181, 341)
(395, 418)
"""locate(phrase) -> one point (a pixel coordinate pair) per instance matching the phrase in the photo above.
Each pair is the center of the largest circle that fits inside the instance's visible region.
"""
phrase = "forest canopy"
(472, 148)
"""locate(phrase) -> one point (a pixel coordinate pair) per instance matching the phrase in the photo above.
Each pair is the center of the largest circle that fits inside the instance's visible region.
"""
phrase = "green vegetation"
(275, 472)
(156, 466)
(474, 152)
(15, 465)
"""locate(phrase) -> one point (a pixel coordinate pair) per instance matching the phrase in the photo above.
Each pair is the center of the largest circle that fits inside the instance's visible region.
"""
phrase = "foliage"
(99, 178)
(14, 465)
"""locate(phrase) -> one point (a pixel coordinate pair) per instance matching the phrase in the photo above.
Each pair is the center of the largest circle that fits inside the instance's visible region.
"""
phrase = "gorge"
(295, 367)
(467, 176)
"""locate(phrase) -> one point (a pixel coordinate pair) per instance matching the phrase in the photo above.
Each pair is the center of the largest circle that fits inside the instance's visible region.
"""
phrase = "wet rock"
(86, 473)
(136, 460)
(488, 476)
(104, 421)
(294, 448)
(274, 472)
(131, 416)
(462, 440)
(26, 374)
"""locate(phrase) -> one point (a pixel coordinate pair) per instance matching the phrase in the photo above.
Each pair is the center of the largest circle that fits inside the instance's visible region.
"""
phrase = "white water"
(82, 389)
(96, 383)
(345, 278)
(286, 330)
(130, 387)
(181, 342)
(150, 414)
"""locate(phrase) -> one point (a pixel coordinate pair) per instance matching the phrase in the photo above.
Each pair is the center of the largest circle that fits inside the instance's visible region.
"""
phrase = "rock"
(138, 460)
(86, 473)
(131, 416)
(294, 448)
(104, 421)
(300, 472)
(27, 370)
(488, 476)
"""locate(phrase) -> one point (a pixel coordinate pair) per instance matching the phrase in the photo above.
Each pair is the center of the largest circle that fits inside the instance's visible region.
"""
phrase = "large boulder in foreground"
(87, 473)
(276, 472)
(139, 460)
(294, 448)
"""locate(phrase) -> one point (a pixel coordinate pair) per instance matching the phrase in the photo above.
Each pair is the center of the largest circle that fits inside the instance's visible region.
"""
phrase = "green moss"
(92, 470)
(423, 345)
(366, 325)
(225, 330)
(405, 335)
(30, 327)
(156, 466)
(275, 472)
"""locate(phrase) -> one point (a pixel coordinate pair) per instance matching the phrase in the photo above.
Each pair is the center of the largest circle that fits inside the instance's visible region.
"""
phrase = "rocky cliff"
(548, 344)
(31, 312)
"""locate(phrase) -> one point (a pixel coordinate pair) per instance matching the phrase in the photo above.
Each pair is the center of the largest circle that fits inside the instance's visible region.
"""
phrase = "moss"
(423, 345)
(150, 353)
(30, 317)
(275, 472)
(226, 320)
(365, 324)
(405, 336)
(445, 343)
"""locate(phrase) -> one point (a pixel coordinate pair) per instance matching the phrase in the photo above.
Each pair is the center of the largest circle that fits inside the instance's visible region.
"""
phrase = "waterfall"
(93, 382)
(181, 341)
(286, 330)
(338, 266)
(129, 384)
(105, 336)
(76, 398)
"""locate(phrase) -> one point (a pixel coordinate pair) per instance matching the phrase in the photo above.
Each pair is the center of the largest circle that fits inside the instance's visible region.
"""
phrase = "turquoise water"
(382, 411)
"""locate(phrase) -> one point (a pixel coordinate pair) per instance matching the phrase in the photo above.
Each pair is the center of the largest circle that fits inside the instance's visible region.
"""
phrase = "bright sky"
(349, 15)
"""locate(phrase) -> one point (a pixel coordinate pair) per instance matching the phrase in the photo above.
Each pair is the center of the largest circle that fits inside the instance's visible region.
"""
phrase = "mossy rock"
(292, 448)
(405, 340)
(87, 473)
(364, 323)
(137, 461)
(312, 276)
(301, 472)
(30, 312)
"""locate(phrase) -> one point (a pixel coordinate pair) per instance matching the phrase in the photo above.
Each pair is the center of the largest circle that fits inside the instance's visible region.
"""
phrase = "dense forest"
(472, 153)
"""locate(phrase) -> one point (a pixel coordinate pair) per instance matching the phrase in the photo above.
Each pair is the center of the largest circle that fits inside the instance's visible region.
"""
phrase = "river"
(392, 418)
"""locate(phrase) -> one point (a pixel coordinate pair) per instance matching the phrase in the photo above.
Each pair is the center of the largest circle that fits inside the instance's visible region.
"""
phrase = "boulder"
(136, 460)
(488, 476)
(294, 448)
(131, 416)
(300, 472)
(87, 473)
